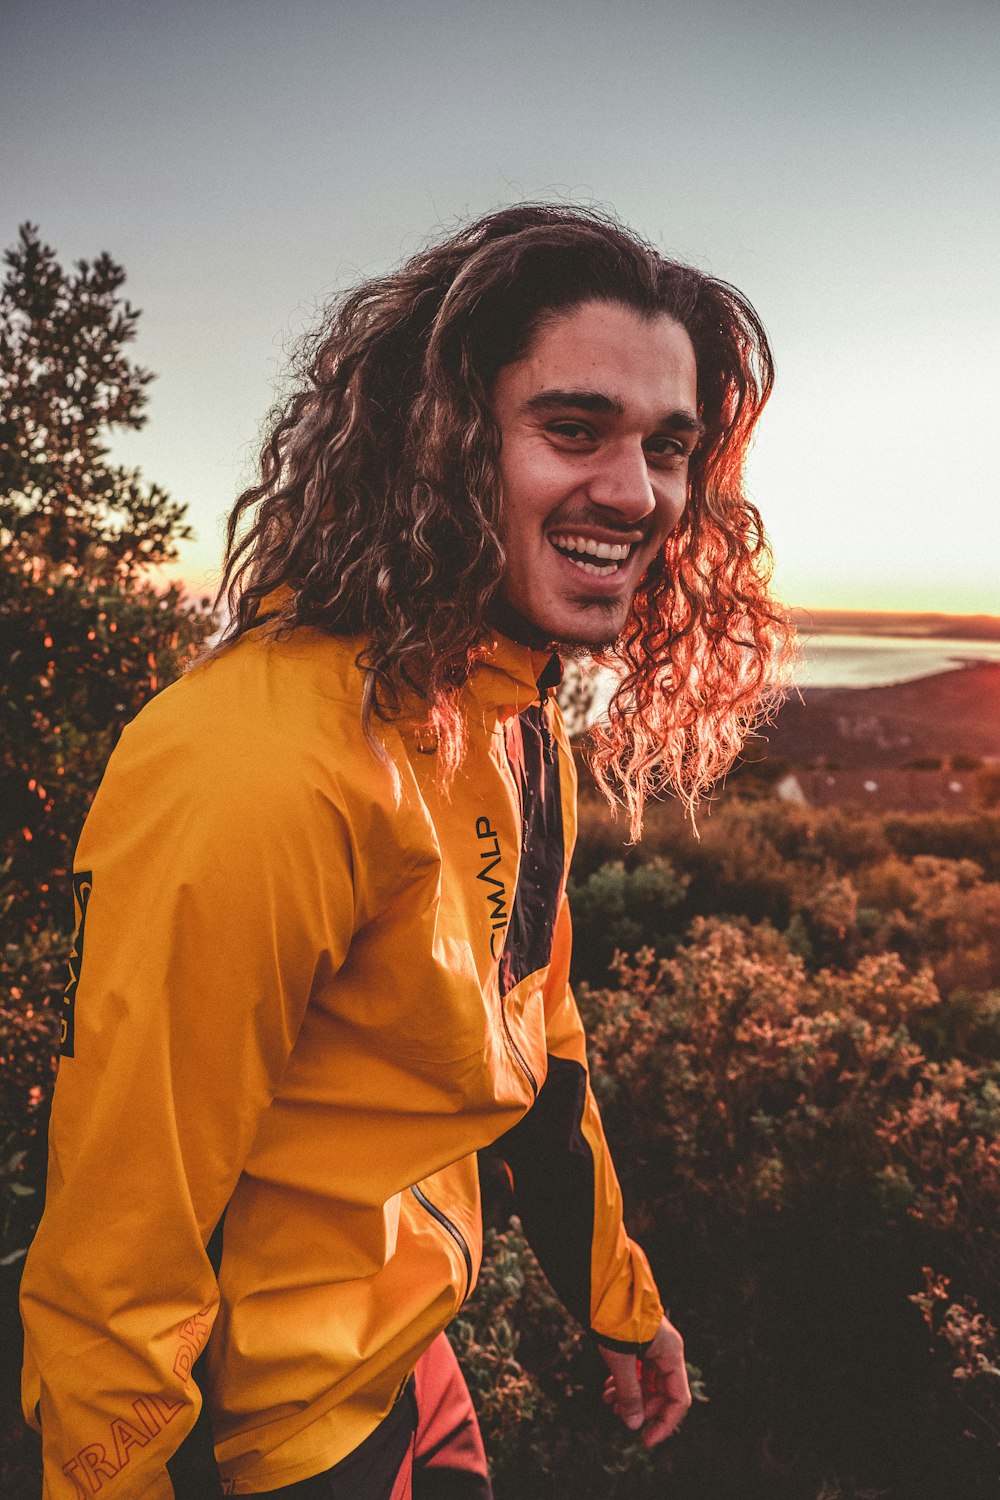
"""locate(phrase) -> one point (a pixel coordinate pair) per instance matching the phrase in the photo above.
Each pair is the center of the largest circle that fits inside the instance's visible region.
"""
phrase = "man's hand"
(651, 1393)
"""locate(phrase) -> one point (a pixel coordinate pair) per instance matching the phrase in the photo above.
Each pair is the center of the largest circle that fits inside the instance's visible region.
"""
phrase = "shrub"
(949, 836)
(793, 1160)
(621, 910)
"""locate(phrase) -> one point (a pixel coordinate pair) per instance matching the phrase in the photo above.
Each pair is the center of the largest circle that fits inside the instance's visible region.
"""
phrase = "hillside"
(880, 622)
(954, 712)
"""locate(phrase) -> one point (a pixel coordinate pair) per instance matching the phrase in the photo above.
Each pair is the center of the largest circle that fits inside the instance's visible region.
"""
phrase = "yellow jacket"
(300, 1003)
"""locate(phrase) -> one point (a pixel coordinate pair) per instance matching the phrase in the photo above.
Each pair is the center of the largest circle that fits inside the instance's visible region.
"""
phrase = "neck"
(513, 624)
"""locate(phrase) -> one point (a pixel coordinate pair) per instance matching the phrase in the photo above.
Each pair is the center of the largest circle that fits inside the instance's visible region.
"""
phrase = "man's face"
(598, 422)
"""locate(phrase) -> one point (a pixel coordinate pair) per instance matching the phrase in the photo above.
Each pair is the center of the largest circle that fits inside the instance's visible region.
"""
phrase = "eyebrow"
(680, 420)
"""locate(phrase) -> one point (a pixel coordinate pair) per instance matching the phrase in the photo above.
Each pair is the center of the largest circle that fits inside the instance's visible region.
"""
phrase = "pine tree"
(86, 635)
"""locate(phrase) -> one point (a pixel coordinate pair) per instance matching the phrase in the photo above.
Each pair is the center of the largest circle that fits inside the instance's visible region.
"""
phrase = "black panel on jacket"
(534, 760)
(371, 1469)
(553, 1170)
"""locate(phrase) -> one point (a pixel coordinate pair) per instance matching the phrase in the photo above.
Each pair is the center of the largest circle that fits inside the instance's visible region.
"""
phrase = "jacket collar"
(511, 675)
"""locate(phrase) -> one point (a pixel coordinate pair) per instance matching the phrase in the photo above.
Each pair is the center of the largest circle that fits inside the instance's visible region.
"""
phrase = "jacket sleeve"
(212, 884)
(565, 1187)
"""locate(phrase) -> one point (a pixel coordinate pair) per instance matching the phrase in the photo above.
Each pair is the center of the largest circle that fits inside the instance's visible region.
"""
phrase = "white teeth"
(615, 552)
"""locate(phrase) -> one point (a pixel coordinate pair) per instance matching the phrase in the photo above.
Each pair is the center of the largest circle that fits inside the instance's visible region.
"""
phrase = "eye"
(664, 447)
(572, 431)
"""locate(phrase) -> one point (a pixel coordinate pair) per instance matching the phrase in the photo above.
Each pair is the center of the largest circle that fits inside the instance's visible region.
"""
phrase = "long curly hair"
(378, 509)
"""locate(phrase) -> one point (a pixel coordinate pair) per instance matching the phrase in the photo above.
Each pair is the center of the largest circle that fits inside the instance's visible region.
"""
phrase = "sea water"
(857, 661)
(878, 660)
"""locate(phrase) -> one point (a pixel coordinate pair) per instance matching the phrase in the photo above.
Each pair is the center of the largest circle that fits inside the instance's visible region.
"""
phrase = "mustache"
(594, 520)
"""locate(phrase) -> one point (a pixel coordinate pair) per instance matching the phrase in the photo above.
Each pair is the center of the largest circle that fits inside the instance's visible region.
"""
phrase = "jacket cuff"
(619, 1346)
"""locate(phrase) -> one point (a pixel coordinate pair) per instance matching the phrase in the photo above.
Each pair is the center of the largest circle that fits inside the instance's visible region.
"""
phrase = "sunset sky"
(838, 162)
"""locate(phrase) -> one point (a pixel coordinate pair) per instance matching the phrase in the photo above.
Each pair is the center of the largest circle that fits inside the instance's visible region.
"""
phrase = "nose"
(621, 483)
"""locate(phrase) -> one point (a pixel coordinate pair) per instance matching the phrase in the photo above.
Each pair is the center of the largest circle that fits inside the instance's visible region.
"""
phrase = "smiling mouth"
(600, 558)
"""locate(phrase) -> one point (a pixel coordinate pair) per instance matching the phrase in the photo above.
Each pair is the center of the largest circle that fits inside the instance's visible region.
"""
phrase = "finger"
(669, 1408)
(657, 1432)
(628, 1401)
(631, 1408)
(666, 1424)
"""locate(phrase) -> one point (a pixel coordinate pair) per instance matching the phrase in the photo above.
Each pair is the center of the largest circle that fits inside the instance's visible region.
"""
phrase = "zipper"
(547, 741)
(518, 1057)
(453, 1230)
(548, 738)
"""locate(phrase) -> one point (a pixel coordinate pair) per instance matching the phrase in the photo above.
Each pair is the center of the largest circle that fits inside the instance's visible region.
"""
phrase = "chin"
(580, 629)
(577, 651)
(582, 639)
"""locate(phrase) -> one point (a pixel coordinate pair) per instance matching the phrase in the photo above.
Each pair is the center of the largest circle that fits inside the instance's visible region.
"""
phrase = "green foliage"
(793, 1161)
(34, 973)
(65, 381)
(803, 1099)
(510, 1402)
(730, 1064)
(621, 910)
(973, 836)
(86, 638)
(82, 658)
(972, 1345)
(535, 1381)
(839, 886)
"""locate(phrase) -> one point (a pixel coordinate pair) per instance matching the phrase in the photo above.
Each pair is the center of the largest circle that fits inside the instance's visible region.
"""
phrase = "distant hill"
(955, 712)
(874, 622)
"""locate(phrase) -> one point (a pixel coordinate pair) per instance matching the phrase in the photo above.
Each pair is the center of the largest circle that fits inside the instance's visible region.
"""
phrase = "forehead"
(605, 347)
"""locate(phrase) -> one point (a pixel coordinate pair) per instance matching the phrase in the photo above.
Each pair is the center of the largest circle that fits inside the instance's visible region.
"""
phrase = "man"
(323, 943)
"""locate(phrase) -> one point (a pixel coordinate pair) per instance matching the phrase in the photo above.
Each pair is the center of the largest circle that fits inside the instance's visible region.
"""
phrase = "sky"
(248, 160)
